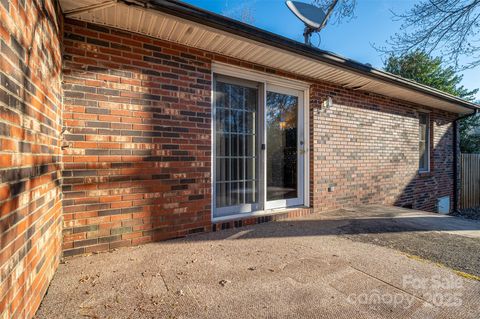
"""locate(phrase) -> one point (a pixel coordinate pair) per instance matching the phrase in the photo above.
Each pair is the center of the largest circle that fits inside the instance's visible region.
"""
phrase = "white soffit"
(170, 28)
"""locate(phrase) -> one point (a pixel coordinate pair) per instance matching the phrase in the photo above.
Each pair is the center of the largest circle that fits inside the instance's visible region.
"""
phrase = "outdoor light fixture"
(327, 103)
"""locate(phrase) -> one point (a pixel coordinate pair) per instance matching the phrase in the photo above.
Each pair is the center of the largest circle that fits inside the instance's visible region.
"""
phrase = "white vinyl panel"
(179, 33)
(154, 18)
(159, 26)
(186, 33)
(244, 50)
(104, 14)
(250, 55)
(332, 76)
(112, 16)
(235, 46)
(122, 21)
(329, 72)
(194, 35)
(357, 83)
(129, 21)
(292, 67)
(200, 39)
(319, 74)
(274, 58)
(68, 5)
(212, 43)
(217, 43)
(393, 91)
(312, 73)
(302, 66)
(164, 29)
(116, 17)
(225, 45)
(170, 32)
(182, 32)
(284, 60)
(93, 16)
(200, 42)
(373, 85)
(141, 22)
(369, 83)
(387, 91)
(115, 13)
(261, 57)
(344, 78)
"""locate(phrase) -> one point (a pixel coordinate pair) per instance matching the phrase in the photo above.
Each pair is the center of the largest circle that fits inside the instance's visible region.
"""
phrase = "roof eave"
(197, 15)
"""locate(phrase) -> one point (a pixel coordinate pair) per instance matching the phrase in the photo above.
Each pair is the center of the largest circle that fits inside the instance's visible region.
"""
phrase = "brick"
(134, 149)
(150, 141)
(121, 230)
(5, 160)
(98, 42)
(73, 252)
(29, 157)
(84, 229)
(87, 242)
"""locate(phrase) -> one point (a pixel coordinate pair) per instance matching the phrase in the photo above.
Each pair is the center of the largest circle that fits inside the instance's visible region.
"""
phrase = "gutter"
(219, 22)
(455, 157)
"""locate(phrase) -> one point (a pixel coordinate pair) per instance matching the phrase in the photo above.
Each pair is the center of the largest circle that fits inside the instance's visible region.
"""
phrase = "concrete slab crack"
(391, 285)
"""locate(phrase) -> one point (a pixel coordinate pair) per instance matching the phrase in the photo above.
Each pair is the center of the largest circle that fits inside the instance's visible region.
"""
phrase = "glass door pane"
(282, 146)
(236, 147)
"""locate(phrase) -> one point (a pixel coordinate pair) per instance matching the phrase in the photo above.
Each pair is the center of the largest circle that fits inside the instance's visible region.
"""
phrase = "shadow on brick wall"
(425, 188)
(27, 200)
(138, 117)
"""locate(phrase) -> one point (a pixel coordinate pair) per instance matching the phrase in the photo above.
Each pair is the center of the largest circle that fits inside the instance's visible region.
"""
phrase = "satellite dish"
(312, 16)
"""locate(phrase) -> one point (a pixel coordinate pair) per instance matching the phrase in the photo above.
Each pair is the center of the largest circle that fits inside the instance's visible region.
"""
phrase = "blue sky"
(353, 39)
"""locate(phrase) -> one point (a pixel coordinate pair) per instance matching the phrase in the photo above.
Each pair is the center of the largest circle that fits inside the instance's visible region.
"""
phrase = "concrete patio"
(367, 262)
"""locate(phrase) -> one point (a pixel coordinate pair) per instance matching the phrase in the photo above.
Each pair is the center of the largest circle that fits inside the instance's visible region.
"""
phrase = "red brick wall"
(137, 169)
(137, 112)
(30, 128)
(366, 147)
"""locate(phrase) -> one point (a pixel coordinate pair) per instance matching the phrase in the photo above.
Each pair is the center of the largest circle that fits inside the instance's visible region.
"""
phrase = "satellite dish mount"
(313, 17)
(307, 34)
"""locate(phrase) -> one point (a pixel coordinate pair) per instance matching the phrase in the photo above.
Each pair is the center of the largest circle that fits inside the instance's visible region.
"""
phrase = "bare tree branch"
(336, 10)
(450, 28)
(329, 13)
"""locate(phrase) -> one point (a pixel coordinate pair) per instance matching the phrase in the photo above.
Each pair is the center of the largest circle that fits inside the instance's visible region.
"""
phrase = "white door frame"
(275, 83)
(299, 200)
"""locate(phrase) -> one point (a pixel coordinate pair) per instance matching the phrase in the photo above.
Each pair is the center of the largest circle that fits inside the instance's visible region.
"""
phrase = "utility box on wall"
(443, 205)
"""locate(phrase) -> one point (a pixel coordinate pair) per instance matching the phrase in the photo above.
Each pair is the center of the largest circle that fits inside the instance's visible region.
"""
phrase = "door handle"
(302, 150)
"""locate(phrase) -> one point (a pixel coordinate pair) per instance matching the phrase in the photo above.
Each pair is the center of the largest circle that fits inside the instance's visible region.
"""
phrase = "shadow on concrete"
(340, 222)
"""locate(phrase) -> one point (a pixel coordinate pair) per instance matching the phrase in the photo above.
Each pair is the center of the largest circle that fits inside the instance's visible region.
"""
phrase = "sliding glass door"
(236, 146)
(258, 147)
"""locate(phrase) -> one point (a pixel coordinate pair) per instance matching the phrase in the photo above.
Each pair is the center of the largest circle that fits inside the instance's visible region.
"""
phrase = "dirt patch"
(469, 213)
(454, 251)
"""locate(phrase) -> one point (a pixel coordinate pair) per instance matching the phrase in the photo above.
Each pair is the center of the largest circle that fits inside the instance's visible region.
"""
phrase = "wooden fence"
(470, 191)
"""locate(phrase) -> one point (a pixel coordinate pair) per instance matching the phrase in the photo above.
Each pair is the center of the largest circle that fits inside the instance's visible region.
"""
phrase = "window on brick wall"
(424, 142)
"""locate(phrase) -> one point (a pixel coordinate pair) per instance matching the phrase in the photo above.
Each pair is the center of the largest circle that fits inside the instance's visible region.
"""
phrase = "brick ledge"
(268, 216)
